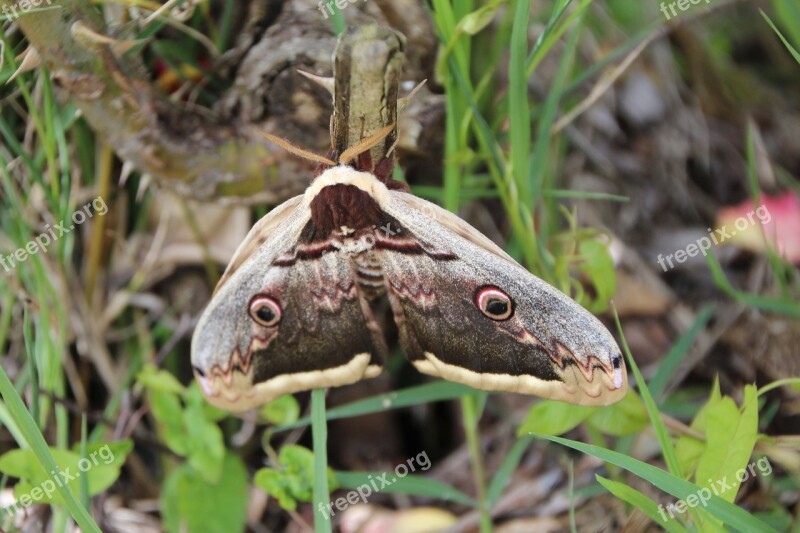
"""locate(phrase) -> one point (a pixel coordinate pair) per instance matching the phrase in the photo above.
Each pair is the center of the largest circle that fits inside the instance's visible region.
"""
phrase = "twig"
(367, 68)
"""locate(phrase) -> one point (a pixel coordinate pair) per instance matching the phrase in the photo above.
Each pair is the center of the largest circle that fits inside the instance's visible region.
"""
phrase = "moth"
(295, 309)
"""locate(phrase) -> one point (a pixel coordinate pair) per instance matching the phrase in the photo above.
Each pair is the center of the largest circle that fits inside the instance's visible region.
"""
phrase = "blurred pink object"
(777, 219)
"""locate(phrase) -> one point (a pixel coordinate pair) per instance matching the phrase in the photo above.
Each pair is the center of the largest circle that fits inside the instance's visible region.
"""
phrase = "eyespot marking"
(494, 303)
(264, 310)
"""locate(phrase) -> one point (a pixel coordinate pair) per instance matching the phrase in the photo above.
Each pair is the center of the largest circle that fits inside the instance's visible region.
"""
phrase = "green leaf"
(274, 483)
(155, 379)
(190, 431)
(723, 510)
(625, 417)
(788, 14)
(194, 396)
(101, 468)
(688, 448)
(552, 417)
(205, 443)
(637, 499)
(190, 504)
(730, 439)
(599, 267)
(109, 453)
(168, 412)
(166, 407)
(281, 411)
(293, 478)
(664, 440)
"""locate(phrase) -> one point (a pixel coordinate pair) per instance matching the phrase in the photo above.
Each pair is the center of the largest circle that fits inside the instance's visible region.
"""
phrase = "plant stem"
(469, 413)
(319, 434)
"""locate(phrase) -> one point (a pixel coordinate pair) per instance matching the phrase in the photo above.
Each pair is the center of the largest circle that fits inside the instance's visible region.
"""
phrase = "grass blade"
(520, 126)
(652, 409)
(641, 502)
(676, 353)
(430, 392)
(786, 43)
(320, 439)
(414, 485)
(503, 474)
(33, 436)
(775, 305)
(729, 513)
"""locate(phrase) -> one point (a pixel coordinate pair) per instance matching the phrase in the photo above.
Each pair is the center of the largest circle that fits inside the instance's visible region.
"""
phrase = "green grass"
(500, 146)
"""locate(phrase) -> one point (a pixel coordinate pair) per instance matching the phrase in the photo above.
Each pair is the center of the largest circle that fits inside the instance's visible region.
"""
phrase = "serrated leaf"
(731, 435)
(293, 478)
(274, 483)
(688, 448)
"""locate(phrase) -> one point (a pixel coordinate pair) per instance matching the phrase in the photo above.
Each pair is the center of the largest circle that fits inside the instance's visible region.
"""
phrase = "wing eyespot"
(265, 311)
(494, 303)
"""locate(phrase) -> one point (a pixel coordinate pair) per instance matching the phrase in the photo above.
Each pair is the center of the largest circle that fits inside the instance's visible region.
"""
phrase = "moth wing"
(550, 346)
(267, 238)
(325, 336)
(452, 222)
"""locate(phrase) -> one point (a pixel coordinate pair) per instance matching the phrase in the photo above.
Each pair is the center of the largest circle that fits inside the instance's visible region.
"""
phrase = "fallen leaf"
(776, 222)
